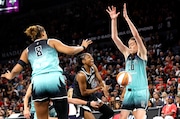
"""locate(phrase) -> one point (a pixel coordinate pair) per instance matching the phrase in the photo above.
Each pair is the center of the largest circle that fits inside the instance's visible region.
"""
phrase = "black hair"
(80, 57)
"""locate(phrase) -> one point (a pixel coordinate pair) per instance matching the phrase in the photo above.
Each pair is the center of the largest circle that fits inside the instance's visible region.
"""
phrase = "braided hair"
(80, 57)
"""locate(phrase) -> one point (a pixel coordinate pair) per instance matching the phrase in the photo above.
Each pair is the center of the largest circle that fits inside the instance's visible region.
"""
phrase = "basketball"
(123, 78)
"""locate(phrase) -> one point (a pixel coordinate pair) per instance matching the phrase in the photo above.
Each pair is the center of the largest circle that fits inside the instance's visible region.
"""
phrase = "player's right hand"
(27, 113)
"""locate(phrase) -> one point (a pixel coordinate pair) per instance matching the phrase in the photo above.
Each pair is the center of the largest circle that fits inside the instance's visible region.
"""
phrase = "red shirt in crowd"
(168, 108)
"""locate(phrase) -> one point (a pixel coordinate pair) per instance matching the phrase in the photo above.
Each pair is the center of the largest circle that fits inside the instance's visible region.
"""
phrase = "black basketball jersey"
(90, 82)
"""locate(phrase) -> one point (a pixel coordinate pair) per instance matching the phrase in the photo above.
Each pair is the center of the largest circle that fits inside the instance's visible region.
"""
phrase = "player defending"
(136, 93)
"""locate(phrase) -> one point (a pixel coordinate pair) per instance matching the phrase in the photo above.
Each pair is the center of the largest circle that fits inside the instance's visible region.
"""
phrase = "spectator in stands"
(176, 59)
(169, 109)
(178, 85)
(172, 89)
(178, 105)
(117, 103)
(42, 55)
(136, 53)
(115, 93)
(156, 100)
(1, 113)
(177, 70)
(161, 86)
(109, 82)
(105, 99)
(103, 72)
(168, 64)
(164, 97)
(14, 96)
(112, 101)
(150, 104)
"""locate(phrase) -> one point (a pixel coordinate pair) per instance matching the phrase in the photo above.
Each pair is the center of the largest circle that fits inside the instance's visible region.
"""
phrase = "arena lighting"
(9, 6)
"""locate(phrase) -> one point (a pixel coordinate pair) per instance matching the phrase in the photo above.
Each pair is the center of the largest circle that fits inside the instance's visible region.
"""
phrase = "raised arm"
(142, 52)
(69, 50)
(101, 83)
(114, 32)
(98, 76)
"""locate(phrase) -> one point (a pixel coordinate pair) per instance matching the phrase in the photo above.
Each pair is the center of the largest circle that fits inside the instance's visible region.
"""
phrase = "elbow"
(136, 35)
(114, 37)
(74, 51)
(84, 93)
(71, 53)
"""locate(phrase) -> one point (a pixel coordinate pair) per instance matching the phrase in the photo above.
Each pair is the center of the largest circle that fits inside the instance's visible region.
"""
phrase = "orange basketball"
(123, 78)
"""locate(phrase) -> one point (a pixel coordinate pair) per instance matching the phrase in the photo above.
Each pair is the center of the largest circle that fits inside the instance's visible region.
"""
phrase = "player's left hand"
(94, 104)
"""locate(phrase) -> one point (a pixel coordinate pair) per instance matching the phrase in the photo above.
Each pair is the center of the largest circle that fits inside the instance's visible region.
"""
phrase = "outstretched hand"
(125, 12)
(105, 88)
(112, 12)
(6, 75)
(86, 43)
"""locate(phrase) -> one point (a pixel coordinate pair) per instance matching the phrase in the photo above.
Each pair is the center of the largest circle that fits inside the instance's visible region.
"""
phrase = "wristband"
(88, 103)
(84, 47)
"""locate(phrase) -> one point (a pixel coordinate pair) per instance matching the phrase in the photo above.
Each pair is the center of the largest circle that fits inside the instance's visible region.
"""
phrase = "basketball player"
(87, 82)
(47, 78)
(136, 93)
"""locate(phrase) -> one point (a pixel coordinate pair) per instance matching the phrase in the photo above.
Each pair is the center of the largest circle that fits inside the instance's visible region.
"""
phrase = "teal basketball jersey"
(43, 58)
(137, 68)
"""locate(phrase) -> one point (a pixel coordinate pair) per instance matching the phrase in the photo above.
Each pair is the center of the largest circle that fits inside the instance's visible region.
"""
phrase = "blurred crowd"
(90, 20)
(87, 18)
